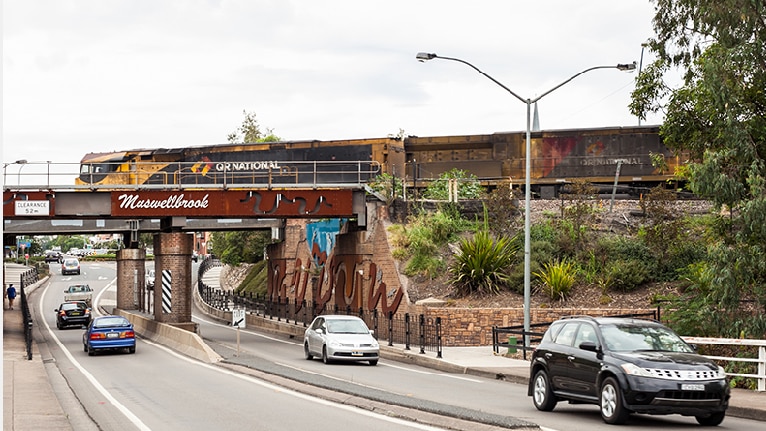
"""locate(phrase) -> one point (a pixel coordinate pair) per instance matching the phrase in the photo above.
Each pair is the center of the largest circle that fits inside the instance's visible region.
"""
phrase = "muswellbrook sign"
(238, 203)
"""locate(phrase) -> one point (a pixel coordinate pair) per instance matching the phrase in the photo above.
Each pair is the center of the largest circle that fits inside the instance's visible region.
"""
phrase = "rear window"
(111, 322)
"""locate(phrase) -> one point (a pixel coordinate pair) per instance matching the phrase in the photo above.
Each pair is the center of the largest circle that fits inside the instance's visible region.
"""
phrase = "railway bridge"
(171, 213)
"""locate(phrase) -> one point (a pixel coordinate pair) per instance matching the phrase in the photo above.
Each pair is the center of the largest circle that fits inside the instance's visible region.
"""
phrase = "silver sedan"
(340, 338)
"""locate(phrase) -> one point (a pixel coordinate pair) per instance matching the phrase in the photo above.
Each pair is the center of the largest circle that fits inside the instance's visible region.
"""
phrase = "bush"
(626, 275)
(557, 278)
(482, 263)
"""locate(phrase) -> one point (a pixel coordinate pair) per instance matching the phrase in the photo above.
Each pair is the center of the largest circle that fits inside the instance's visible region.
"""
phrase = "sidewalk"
(29, 401)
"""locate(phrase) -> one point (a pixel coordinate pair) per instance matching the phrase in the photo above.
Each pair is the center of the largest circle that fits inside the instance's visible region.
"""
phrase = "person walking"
(11, 294)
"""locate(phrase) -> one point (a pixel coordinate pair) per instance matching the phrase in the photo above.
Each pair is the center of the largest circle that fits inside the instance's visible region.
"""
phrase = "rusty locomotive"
(634, 158)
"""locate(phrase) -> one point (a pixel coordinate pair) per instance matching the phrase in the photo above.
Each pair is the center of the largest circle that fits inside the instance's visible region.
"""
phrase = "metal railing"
(156, 175)
(424, 332)
(27, 278)
(515, 338)
(759, 361)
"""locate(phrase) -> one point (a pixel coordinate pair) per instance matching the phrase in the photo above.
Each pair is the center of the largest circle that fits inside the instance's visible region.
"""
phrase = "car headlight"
(334, 343)
(374, 344)
(635, 370)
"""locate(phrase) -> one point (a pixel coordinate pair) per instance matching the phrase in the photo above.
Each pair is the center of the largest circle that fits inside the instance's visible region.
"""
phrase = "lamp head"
(423, 56)
(21, 162)
(627, 67)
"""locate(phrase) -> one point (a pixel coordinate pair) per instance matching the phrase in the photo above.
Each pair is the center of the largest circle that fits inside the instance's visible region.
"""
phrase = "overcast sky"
(85, 76)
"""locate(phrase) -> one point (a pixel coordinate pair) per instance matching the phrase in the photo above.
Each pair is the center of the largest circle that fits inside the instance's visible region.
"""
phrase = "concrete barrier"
(178, 339)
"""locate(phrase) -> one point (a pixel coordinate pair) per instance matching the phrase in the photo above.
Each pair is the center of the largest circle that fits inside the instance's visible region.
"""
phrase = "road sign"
(238, 318)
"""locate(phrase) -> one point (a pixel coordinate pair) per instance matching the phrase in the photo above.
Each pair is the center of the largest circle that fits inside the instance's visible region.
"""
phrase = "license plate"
(75, 313)
(357, 354)
(112, 335)
(692, 387)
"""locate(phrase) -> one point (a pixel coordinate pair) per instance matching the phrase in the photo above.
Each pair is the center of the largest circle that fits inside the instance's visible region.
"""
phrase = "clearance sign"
(236, 203)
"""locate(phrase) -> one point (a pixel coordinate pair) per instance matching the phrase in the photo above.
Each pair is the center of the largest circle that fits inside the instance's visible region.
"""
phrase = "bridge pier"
(173, 281)
(131, 268)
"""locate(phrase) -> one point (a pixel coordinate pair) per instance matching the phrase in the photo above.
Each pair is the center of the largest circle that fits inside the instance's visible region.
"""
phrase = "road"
(159, 389)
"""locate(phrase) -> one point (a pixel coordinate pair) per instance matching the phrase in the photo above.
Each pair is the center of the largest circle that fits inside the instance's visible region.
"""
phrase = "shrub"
(626, 275)
(481, 264)
(557, 278)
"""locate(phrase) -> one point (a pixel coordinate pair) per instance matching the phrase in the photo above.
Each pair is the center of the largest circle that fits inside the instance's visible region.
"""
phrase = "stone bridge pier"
(172, 294)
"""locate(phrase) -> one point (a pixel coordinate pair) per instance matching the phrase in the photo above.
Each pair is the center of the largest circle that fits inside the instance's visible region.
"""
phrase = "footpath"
(30, 401)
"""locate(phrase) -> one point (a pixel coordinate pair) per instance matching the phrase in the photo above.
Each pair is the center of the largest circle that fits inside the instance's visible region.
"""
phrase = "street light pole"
(21, 164)
(424, 56)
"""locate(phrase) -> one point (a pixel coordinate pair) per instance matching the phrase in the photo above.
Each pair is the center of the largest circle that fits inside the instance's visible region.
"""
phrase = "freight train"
(634, 158)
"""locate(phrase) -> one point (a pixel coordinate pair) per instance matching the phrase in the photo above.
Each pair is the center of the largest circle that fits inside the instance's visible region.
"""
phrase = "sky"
(84, 76)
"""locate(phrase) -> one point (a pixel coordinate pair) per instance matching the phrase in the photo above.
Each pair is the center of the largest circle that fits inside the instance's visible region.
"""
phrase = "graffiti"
(271, 206)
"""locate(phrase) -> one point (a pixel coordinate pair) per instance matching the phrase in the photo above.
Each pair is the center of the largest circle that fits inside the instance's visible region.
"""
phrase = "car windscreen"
(629, 338)
(347, 327)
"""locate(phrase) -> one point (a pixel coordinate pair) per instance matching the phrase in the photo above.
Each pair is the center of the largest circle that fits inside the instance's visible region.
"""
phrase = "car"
(79, 292)
(109, 333)
(625, 365)
(340, 338)
(72, 313)
(70, 265)
(53, 257)
(149, 279)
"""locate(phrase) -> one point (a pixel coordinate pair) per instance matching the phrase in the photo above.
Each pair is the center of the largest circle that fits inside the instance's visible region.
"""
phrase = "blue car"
(109, 332)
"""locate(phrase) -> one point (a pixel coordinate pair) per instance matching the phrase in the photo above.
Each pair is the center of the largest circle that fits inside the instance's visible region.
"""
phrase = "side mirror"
(56, 310)
(320, 331)
(589, 346)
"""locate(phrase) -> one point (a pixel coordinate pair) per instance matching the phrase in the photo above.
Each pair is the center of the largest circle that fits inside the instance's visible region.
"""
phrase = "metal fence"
(27, 278)
(516, 338)
(409, 330)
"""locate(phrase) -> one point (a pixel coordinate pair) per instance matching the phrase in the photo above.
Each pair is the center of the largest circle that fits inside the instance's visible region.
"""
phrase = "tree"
(718, 116)
(250, 131)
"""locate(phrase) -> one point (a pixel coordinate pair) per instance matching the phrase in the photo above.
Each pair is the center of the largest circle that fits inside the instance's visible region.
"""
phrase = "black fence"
(514, 338)
(407, 330)
(27, 278)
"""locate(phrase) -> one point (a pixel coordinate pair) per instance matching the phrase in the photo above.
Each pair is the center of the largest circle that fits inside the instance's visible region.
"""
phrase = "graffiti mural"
(347, 281)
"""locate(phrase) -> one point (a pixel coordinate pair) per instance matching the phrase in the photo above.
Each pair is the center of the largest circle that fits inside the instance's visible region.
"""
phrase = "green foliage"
(418, 241)
(386, 185)
(482, 262)
(250, 131)
(626, 275)
(716, 117)
(557, 278)
(256, 281)
(235, 247)
(504, 211)
(467, 184)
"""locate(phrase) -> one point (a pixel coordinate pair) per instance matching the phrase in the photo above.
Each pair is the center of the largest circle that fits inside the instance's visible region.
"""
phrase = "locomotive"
(623, 156)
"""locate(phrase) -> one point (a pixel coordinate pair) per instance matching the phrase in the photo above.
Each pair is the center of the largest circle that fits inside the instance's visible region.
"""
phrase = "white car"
(340, 338)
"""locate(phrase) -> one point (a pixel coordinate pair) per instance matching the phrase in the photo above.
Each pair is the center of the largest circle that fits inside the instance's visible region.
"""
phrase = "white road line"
(140, 425)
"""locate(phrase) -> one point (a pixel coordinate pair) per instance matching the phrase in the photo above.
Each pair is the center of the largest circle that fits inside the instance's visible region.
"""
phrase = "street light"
(424, 56)
(21, 164)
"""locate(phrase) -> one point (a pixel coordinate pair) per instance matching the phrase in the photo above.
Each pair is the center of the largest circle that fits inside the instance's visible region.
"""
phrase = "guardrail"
(760, 360)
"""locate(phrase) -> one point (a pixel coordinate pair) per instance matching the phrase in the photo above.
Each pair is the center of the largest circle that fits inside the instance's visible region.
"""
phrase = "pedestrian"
(11, 294)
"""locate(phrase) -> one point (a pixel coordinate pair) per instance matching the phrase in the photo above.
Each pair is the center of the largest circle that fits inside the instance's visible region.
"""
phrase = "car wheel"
(58, 325)
(374, 362)
(612, 410)
(712, 420)
(542, 395)
(85, 347)
(91, 352)
(132, 349)
(325, 359)
(306, 353)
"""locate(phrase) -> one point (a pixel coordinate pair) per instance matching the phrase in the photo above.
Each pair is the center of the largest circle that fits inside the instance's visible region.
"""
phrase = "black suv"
(625, 366)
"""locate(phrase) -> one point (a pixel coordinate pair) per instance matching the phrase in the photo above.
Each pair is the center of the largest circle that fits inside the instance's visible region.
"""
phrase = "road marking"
(119, 406)
(452, 376)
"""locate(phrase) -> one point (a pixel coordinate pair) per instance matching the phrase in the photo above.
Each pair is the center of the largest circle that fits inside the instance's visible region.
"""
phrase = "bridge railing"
(94, 176)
